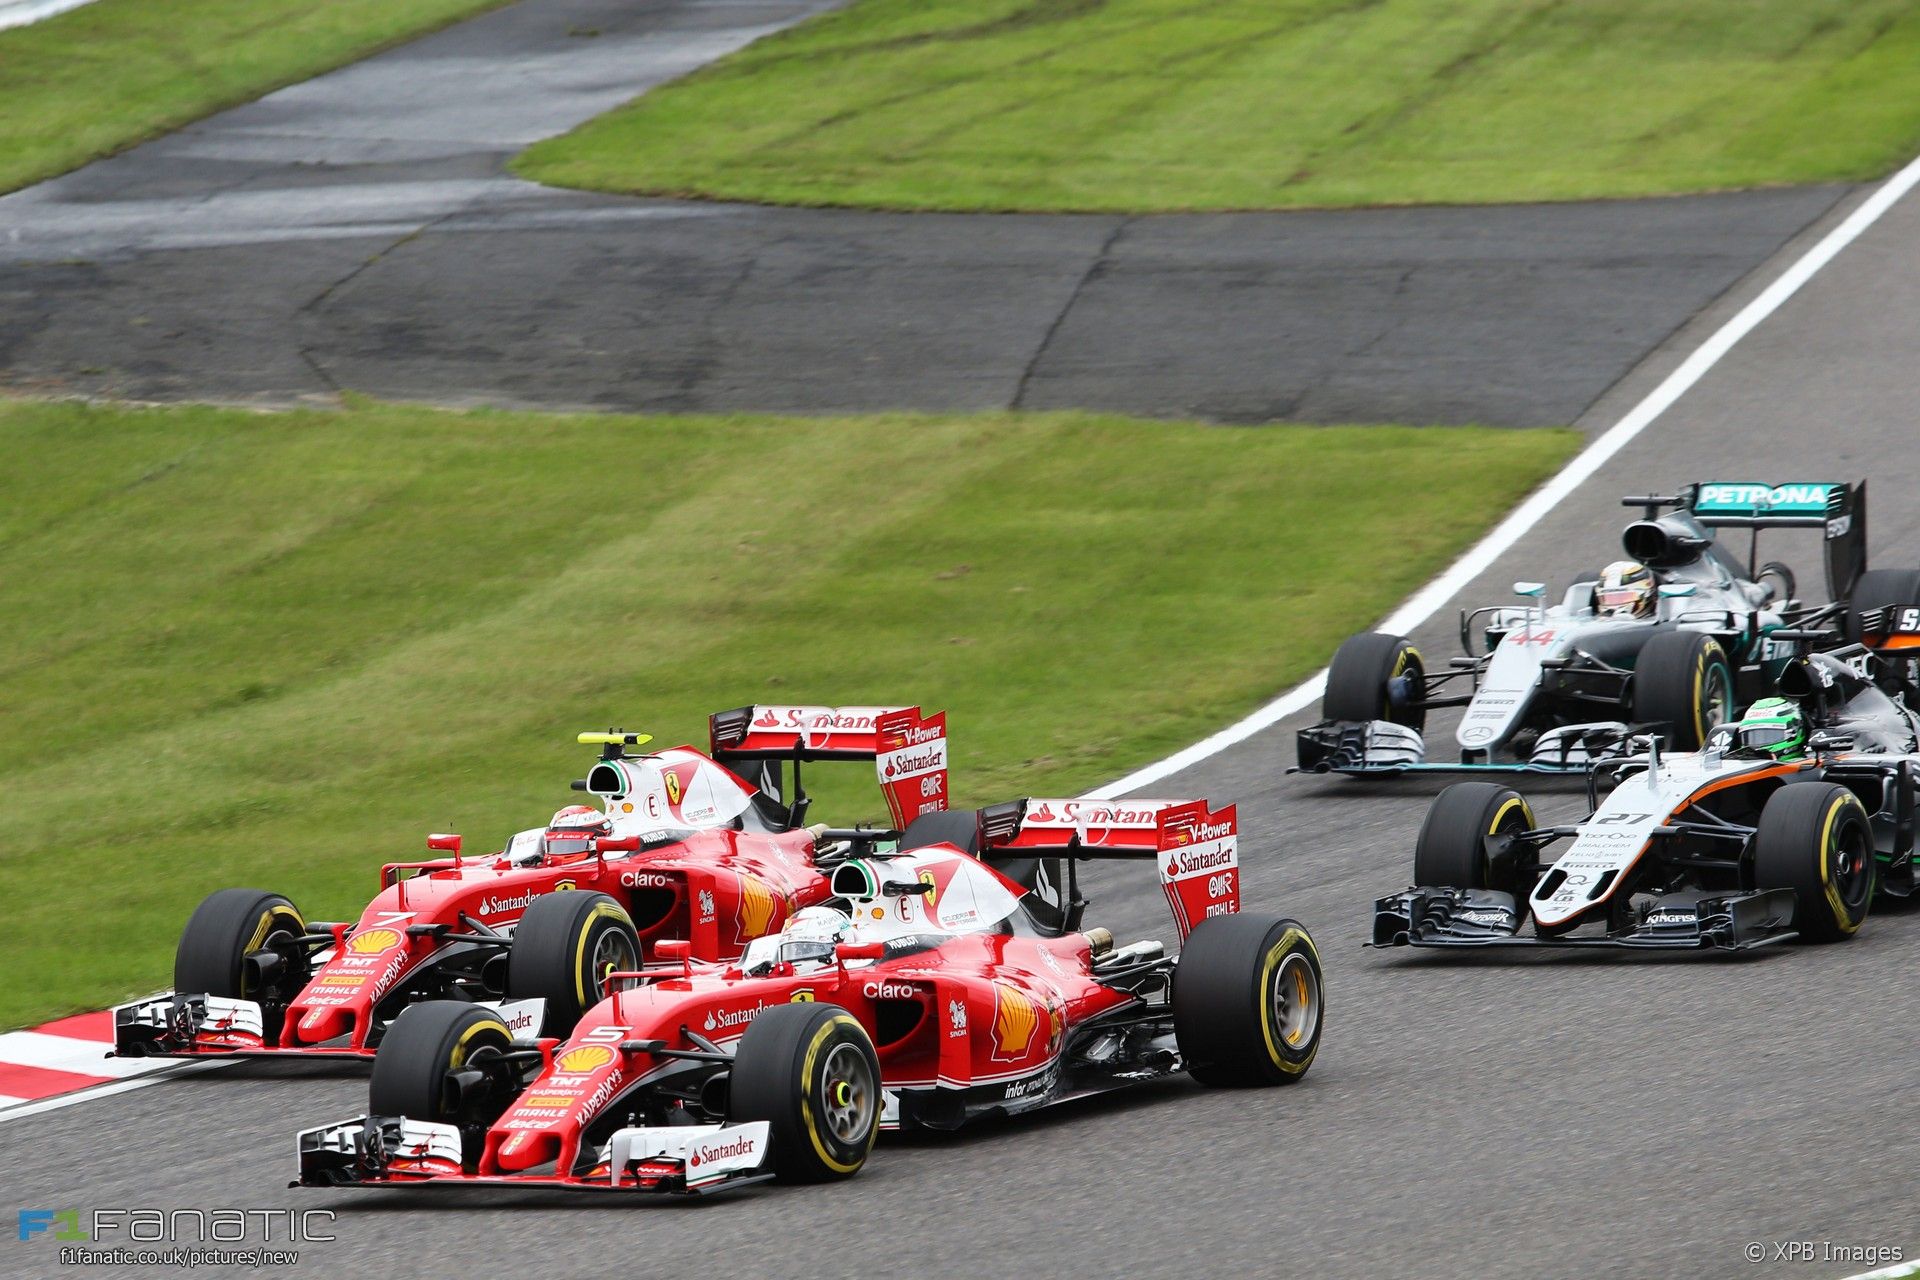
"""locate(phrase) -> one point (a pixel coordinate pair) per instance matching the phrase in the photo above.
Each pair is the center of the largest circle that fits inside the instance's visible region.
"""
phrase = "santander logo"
(742, 1146)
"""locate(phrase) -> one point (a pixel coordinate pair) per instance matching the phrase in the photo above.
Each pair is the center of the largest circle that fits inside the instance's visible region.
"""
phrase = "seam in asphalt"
(1094, 268)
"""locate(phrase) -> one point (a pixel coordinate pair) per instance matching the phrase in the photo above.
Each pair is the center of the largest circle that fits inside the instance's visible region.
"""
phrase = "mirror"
(1533, 589)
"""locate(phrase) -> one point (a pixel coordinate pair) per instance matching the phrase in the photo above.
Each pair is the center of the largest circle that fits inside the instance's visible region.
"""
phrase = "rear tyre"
(961, 829)
(426, 1045)
(1247, 1001)
(809, 1070)
(223, 931)
(1683, 680)
(565, 945)
(1451, 852)
(1375, 676)
(1816, 839)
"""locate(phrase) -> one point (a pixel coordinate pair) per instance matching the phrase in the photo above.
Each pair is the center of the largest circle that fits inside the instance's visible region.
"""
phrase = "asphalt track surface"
(359, 231)
(1526, 1117)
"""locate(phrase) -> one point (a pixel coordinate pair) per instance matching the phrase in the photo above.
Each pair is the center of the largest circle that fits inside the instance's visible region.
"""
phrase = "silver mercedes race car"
(1673, 640)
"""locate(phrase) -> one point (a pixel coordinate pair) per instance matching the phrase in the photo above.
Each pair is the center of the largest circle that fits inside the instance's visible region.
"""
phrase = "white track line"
(18, 13)
(1427, 601)
(1889, 1273)
(79, 1096)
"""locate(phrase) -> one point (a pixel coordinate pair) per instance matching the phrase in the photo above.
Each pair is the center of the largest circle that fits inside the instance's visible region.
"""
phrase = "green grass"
(117, 72)
(1139, 105)
(276, 650)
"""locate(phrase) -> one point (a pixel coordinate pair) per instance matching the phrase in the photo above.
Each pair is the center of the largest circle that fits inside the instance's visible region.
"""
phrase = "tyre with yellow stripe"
(810, 1071)
(1816, 839)
(1247, 1001)
(242, 944)
(433, 1065)
(1683, 682)
(1451, 852)
(563, 948)
(1376, 676)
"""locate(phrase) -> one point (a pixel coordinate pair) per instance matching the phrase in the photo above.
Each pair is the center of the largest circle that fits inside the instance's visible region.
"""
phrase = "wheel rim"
(612, 953)
(1852, 866)
(850, 1095)
(1718, 698)
(1296, 1001)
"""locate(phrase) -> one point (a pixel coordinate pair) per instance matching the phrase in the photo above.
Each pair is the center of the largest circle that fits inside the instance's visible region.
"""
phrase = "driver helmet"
(1625, 590)
(1775, 727)
(572, 831)
(812, 933)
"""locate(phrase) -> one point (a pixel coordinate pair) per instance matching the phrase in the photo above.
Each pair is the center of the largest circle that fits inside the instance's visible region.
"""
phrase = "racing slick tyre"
(1451, 852)
(227, 928)
(565, 945)
(425, 1069)
(1247, 1002)
(1683, 679)
(1817, 840)
(808, 1070)
(1375, 676)
(961, 829)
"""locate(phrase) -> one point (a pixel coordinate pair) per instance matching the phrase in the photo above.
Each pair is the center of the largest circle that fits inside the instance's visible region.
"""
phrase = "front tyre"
(563, 948)
(1816, 839)
(1682, 679)
(1247, 1001)
(243, 944)
(1451, 852)
(810, 1071)
(432, 1066)
(1375, 676)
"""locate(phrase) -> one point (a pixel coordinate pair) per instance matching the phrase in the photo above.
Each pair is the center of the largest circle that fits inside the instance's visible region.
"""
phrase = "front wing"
(1441, 917)
(178, 1025)
(1380, 747)
(391, 1151)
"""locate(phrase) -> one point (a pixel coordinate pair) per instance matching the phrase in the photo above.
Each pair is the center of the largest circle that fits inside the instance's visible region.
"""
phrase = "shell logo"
(371, 942)
(756, 907)
(1016, 1017)
(587, 1058)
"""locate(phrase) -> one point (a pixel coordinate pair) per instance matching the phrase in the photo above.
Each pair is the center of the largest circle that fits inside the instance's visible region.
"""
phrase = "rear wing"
(1894, 628)
(1196, 847)
(909, 750)
(1835, 507)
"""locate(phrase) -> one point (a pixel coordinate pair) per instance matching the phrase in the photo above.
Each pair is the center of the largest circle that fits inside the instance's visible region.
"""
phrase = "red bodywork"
(714, 889)
(967, 1015)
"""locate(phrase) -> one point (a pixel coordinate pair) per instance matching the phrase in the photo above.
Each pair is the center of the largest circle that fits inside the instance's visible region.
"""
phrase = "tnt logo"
(34, 1221)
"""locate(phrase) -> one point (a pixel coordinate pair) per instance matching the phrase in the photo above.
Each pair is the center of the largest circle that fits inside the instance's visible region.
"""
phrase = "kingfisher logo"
(372, 942)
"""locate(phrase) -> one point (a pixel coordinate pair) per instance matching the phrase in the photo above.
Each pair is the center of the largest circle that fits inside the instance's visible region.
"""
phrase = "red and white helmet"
(572, 831)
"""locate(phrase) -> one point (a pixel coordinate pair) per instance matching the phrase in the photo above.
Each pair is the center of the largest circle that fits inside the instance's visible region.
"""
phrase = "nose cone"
(319, 1025)
(525, 1151)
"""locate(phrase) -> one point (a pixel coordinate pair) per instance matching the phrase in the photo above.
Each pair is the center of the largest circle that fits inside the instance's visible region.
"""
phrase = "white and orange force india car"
(1551, 686)
(948, 994)
(1726, 848)
(709, 850)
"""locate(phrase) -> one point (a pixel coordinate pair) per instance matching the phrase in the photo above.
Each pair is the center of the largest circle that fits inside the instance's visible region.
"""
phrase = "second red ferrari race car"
(684, 849)
(929, 991)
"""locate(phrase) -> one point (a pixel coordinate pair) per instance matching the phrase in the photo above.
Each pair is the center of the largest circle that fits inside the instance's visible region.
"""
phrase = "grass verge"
(1140, 105)
(275, 650)
(117, 72)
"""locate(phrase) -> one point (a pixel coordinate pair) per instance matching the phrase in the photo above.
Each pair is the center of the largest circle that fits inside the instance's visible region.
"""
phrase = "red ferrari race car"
(929, 991)
(684, 849)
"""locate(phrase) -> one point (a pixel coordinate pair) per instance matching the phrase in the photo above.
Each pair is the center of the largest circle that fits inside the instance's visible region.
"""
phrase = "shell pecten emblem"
(756, 907)
(587, 1058)
(1016, 1017)
(371, 942)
